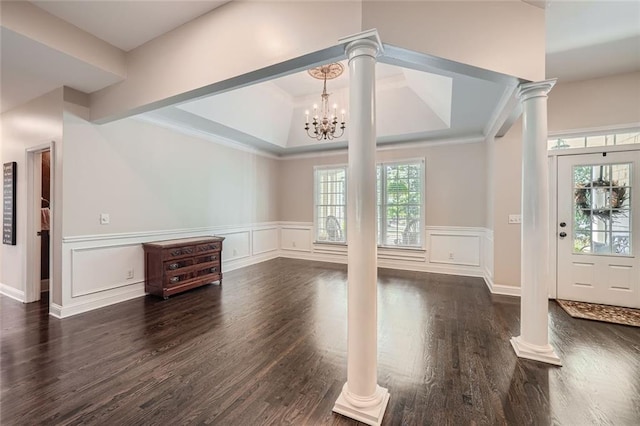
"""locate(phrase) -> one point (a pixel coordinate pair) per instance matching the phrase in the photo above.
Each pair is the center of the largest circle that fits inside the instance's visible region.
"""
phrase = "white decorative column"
(533, 342)
(361, 398)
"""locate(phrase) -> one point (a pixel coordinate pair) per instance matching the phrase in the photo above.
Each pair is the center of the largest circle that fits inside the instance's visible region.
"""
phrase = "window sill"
(402, 248)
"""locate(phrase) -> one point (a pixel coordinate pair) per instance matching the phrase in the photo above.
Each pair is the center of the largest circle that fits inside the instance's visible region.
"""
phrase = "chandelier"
(325, 122)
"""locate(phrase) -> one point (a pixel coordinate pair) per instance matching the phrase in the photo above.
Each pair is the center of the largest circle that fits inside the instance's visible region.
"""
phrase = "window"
(594, 140)
(400, 201)
(331, 203)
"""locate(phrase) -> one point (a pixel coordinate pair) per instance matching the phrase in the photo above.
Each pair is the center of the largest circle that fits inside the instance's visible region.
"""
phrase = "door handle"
(563, 234)
(39, 233)
(563, 224)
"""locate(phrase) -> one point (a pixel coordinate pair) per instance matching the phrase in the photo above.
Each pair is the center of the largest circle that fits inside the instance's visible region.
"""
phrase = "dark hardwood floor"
(268, 347)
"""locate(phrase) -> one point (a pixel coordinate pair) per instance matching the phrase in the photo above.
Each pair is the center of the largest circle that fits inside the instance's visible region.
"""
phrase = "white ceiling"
(30, 69)
(128, 24)
(589, 39)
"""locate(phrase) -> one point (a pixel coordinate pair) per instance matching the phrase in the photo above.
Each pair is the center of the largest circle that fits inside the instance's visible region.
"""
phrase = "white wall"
(581, 105)
(598, 102)
(149, 178)
(455, 183)
(234, 39)
(503, 36)
(33, 124)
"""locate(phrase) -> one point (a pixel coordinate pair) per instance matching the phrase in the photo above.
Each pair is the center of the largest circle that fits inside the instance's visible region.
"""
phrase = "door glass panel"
(602, 209)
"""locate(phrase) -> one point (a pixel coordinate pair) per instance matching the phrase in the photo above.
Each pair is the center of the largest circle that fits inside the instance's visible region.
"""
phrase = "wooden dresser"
(174, 266)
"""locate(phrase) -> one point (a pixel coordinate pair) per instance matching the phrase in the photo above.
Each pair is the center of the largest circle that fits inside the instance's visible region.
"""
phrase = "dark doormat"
(606, 313)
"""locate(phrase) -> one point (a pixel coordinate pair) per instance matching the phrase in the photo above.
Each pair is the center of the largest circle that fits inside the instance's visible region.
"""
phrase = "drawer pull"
(214, 269)
(176, 252)
(174, 266)
(174, 279)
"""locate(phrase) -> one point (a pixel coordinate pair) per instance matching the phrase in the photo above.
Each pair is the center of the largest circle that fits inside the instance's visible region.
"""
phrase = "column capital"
(366, 43)
(535, 89)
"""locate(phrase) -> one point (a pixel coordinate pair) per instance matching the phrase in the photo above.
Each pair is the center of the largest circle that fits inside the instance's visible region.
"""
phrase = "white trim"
(12, 292)
(594, 131)
(78, 308)
(592, 150)
(226, 229)
(190, 131)
(428, 143)
(242, 262)
(501, 113)
(552, 162)
(537, 353)
(388, 146)
(505, 290)
(55, 310)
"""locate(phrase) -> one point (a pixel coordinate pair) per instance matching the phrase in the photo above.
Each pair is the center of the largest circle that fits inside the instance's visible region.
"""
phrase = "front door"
(598, 228)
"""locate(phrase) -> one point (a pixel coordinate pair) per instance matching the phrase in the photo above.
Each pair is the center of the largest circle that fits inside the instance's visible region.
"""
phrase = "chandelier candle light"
(324, 126)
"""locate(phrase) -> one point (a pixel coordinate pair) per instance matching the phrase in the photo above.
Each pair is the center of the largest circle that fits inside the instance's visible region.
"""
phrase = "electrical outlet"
(293, 243)
(104, 218)
(450, 256)
(235, 252)
(130, 273)
(515, 218)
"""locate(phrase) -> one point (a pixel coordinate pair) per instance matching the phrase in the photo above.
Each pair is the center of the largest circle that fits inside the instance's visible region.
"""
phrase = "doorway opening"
(39, 223)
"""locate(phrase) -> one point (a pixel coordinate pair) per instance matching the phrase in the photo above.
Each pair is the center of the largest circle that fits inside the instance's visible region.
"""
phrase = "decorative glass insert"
(602, 209)
(590, 141)
(330, 204)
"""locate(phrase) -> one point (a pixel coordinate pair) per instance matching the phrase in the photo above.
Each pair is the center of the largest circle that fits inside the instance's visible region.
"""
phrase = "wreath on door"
(618, 196)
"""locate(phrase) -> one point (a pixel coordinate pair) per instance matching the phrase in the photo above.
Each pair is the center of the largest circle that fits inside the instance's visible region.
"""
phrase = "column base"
(371, 415)
(535, 352)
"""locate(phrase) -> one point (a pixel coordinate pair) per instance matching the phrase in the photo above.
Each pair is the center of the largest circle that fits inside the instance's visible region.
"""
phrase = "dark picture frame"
(9, 178)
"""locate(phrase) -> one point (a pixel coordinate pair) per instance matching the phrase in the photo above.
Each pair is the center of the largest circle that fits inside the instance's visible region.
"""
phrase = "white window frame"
(420, 160)
(316, 228)
(381, 217)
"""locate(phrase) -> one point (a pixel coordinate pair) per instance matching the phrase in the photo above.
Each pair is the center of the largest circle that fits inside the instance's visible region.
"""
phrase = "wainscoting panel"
(91, 274)
(96, 268)
(236, 246)
(296, 237)
(265, 240)
(455, 249)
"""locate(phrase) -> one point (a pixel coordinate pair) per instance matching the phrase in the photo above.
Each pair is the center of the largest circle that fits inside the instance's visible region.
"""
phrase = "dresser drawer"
(177, 252)
(203, 248)
(207, 258)
(213, 269)
(178, 264)
(176, 278)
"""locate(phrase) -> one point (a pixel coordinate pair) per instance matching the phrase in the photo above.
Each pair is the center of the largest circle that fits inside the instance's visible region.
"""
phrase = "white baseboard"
(12, 292)
(232, 265)
(78, 308)
(55, 310)
(506, 290)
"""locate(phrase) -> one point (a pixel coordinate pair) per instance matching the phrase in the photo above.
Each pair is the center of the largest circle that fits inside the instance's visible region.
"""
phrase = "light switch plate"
(104, 219)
